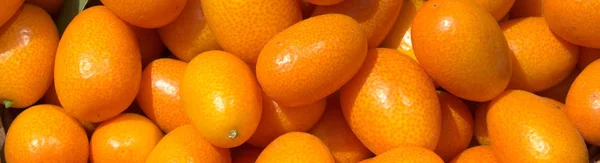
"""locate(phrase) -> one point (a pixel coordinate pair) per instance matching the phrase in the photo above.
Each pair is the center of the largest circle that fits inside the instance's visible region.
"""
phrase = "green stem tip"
(232, 134)
(8, 104)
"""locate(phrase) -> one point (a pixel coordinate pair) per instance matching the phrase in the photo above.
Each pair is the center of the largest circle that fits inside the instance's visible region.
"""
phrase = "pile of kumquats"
(300, 81)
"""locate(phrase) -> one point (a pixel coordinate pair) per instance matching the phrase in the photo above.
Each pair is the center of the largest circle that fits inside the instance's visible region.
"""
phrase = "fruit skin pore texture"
(189, 34)
(45, 133)
(583, 103)
(98, 66)
(375, 17)
(334, 131)
(462, 48)
(524, 127)
(277, 120)
(159, 96)
(574, 20)
(146, 13)
(391, 102)
(221, 98)
(540, 58)
(296, 147)
(185, 144)
(243, 37)
(28, 44)
(127, 137)
(311, 59)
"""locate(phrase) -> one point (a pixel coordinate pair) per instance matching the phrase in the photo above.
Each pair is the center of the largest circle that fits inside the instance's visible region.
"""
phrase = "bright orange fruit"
(375, 17)
(146, 13)
(406, 154)
(8, 9)
(498, 8)
(457, 126)
(50, 96)
(159, 93)
(399, 36)
(335, 133)
(277, 120)
(53, 7)
(524, 127)
(574, 20)
(245, 36)
(476, 154)
(587, 56)
(462, 48)
(45, 133)
(28, 44)
(402, 104)
(312, 59)
(185, 144)
(98, 68)
(556, 104)
(125, 138)
(541, 60)
(559, 91)
(583, 103)
(189, 35)
(523, 9)
(480, 131)
(296, 147)
(221, 98)
(151, 47)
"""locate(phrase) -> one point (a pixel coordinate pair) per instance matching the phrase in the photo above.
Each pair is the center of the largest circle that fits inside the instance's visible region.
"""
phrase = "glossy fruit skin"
(8, 9)
(523, 127)
(312, 59)
(457, 127)
(151, 47)
(403, 104)
(146, 13)
(45, 132)
(375, 17)
(277, 120)
(523, 9)
(98, 68)
(189, 34)
(228, 20)
(335, 133)
(587, 56)
(185, 144)
(406, 154)
(324, 2)
(53, 7)
(159, 93)
(559, 91)
(27, 51)
(557, 104)
(480, 131)
(221, 98)
(476, 154)
(574, 20)
(498, 8)
(127, 137)
(540, 59)
(462, 48)
(583, 102)
(296, 147)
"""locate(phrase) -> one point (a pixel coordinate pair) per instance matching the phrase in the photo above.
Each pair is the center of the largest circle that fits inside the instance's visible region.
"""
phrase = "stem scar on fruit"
(232, 134)
(8, 104)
